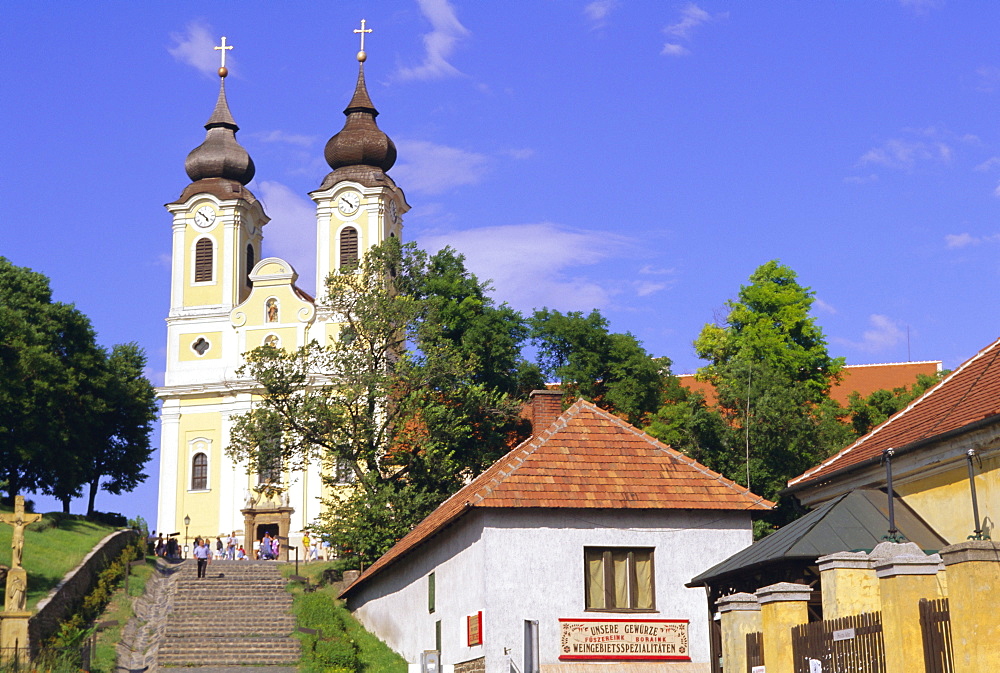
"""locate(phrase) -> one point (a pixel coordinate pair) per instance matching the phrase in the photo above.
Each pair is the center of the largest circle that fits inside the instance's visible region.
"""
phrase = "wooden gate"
(935, 624)
(846, 645)
(755, 650)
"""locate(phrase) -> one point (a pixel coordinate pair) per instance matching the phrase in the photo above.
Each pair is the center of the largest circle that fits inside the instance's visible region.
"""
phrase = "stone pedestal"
(850, 586)
(14, 636)
(973, 582)
(905, 575)
(739, 615)
(782, 606)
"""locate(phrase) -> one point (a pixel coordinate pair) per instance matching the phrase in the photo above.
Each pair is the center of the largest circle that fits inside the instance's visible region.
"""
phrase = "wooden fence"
(847, 645)
(935, 624)
(755, 650)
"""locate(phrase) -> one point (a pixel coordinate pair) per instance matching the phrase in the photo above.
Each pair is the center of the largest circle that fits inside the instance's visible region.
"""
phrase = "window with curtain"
(203, 253)
(199, 472)
(619, 579)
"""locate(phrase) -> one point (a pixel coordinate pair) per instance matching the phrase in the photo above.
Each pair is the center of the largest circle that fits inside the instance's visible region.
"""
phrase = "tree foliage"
(770, 367)
(612, 370)
(400, 399)
(66, 406)
(868, 412)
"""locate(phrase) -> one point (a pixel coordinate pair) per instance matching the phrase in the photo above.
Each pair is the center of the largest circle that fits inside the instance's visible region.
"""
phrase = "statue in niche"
(271, 309)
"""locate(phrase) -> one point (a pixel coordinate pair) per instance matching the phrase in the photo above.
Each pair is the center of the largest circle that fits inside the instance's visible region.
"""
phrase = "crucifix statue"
(19, 519)
(16, 577)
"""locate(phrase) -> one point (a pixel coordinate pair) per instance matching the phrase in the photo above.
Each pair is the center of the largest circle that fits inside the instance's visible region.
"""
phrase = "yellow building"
(226, 298)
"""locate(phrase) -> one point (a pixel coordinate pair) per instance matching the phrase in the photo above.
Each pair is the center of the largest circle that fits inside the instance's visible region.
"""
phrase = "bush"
(332, 651)
(109, 518)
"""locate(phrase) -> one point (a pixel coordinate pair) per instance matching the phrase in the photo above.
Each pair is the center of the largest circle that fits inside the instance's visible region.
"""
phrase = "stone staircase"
(239, 615)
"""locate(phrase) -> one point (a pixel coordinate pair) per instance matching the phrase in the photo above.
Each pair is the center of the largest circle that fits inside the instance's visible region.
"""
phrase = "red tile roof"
(587, 458)
(863, 379)
(969, 394)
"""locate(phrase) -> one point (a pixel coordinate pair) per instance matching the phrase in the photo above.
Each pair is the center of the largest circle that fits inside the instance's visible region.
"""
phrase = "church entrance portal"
(259, 520)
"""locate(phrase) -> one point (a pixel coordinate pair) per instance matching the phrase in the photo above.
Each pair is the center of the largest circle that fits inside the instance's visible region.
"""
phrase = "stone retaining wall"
(56, 607)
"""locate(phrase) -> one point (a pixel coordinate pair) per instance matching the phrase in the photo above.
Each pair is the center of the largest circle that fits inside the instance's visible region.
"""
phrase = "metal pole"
(978, 534)
(893, 535)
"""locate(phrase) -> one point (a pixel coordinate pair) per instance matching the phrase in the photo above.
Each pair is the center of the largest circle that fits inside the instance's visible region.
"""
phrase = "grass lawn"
(374, 655)
(120, 609)
(52, 547)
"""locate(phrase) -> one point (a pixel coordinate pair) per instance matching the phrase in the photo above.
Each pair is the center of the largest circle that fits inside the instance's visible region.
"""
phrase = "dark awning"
(855, 521)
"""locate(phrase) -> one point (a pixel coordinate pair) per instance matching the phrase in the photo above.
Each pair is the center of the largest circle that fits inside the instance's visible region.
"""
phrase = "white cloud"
(291, 233)
(650, 270)
(597, 12)
(906, 154)
(536, 265)
(964, 240)
(885, 333)
(691, 17)
(823, 306)
(446, 33)
(285, 138)
(644, 288)
(988, 165)
(520, 153)
(434, 169)
(196, 47)
(989, 78)
(861, 179)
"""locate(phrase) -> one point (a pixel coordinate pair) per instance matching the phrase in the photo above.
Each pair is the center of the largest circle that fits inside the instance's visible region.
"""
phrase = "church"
(226, 299)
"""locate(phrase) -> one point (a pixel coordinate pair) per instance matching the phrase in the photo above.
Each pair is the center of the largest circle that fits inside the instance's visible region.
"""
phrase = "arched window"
(199, 472)
(203, 253)
(348, 246)
(250, 263)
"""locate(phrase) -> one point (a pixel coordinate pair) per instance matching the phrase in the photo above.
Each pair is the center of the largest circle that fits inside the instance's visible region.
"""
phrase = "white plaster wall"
(394, 605)
(524, 564)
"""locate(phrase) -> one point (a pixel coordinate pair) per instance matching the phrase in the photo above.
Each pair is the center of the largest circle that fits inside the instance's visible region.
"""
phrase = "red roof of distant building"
(587, 458)
(862, 379)
(969, 394)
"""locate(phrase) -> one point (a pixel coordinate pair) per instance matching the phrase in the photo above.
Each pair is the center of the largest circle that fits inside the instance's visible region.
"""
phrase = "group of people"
(229, 548)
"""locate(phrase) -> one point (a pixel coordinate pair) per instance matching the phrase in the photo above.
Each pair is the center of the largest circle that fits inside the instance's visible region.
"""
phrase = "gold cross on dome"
(362, 31)
(224, 48)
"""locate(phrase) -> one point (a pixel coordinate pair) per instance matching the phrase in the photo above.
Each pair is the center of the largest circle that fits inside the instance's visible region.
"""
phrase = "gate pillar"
(973, 583)
(849, 584)
(905, 575)
(782, 606)
(740, 615)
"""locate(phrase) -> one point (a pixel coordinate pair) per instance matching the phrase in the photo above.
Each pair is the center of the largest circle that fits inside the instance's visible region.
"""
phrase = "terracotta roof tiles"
(564, 466)
(969, 394)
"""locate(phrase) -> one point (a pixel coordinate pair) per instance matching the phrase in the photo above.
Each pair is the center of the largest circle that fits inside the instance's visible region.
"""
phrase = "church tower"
(358, 205)
(227, 299)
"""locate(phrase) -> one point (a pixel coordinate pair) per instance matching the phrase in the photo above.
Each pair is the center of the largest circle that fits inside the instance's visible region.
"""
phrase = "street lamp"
(187, 522)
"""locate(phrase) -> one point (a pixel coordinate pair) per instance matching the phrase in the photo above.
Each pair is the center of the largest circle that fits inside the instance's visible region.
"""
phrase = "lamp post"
(187, 522)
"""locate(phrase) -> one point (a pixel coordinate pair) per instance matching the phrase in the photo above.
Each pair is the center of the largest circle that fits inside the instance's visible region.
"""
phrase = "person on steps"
(204, 556)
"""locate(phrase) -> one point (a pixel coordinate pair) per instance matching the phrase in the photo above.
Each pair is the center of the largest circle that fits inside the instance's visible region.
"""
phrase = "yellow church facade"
(227, 298)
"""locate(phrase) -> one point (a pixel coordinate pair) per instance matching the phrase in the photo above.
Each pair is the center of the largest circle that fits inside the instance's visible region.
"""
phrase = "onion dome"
(360, 142)
(220, 156)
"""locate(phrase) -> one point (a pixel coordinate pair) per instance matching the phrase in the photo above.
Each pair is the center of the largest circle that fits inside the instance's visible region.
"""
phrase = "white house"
(569, 553)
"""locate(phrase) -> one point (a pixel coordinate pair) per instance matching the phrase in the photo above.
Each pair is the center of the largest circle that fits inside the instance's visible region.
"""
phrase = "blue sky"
(639, 158)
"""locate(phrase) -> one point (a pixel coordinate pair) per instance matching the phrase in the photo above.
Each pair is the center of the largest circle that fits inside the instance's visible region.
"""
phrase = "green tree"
(123, 418)
(612, 370)
(63, 401)
(867, 412)
(395, 400)
(772, 373)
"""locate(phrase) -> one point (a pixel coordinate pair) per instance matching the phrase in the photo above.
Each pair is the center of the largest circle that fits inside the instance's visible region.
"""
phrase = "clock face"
(348, 203)
(393, 213)
(205, 216)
